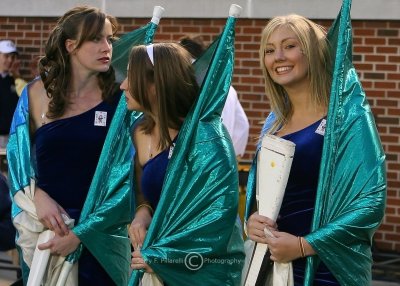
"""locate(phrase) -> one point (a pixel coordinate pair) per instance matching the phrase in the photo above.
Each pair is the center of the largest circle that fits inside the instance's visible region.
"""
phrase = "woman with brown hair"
(202, 206)
(71, 107)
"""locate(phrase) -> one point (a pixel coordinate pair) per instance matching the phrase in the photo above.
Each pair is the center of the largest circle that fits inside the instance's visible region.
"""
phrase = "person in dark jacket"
(7, 230)
(8, 94)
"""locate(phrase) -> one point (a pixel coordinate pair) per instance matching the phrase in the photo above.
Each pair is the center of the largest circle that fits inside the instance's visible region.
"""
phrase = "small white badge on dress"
(321, 128)
(100, 118)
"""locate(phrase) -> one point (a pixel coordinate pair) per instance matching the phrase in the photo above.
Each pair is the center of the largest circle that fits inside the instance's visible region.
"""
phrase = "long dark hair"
(82, 23)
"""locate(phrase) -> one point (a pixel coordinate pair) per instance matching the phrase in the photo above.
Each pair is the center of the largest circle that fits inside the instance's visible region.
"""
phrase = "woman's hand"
(138, 262)
(50, 213)
(283, 246)
(255, 227)
(61, 245)
(139, 226)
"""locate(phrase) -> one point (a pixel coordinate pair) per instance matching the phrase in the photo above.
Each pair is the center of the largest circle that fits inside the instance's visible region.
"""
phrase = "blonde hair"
(315, 47)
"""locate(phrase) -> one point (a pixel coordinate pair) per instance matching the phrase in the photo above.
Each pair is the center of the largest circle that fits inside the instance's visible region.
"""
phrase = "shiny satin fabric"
(193, 238)
(106, 212)
(18, 151)
(20, 170)
(122, 47)
(107, 209)
(351, 193)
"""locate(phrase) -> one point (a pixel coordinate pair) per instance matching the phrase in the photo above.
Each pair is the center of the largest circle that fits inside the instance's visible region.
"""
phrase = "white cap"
(7, 47)
(235, 10)
(157, 13)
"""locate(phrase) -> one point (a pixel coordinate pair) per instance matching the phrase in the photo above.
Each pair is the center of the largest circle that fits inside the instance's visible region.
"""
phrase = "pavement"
(384, 283)
(7, 277)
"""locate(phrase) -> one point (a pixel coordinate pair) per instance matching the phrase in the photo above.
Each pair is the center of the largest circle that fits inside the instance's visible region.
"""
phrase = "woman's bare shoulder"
(36, 88)
(138, 134)
(38, 102)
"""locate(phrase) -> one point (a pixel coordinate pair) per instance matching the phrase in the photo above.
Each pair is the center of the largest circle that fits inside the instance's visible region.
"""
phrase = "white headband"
(150, 53)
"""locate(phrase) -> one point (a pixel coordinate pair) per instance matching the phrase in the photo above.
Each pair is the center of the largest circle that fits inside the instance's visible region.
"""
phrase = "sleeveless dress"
(153, 176)
(297, 209)
(67, 153)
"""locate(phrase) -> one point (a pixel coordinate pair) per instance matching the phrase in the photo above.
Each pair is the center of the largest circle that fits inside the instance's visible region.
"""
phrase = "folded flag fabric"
(193, 235)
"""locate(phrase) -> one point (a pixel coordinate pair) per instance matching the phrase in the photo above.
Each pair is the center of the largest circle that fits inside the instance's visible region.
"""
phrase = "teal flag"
(102, 226)
(122, 47)
(193, 236)
(351, 194)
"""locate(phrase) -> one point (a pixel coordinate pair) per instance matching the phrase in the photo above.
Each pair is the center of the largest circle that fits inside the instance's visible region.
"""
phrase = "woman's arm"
(144, 212)
(49, 212)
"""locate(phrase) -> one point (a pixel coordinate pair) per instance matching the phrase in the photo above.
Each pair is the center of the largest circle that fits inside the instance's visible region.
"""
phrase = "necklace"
(150, 148)
(42, 117)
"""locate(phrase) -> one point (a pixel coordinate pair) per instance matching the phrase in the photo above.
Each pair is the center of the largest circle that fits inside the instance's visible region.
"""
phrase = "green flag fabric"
(193, 237)
(122, 47)
(351, 192)
(351, 195)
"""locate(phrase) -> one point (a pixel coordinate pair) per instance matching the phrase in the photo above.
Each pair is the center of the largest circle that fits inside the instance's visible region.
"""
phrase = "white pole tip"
(157, 13)
(235, 10)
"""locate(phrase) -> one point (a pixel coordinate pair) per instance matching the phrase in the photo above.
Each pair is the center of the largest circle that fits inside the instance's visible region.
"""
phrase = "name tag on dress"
(321, 128)
(100, 118)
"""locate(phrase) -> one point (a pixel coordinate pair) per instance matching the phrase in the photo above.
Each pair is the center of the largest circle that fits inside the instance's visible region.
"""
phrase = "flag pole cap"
(157, 13)
(235, 10)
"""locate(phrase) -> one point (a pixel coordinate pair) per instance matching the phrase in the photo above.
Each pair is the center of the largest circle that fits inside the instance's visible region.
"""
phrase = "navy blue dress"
(297, 209)
(67, 153)
(153, 176)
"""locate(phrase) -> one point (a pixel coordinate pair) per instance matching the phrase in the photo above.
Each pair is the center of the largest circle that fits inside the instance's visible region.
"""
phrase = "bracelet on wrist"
(147, 206)
(301, 246)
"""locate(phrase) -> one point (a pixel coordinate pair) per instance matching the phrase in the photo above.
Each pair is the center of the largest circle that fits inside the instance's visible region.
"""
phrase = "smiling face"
(284, 59)
(93, 55)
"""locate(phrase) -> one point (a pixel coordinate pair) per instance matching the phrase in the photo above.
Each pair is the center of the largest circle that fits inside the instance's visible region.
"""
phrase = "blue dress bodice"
(296, 214)
(153, 176)
(67, 153)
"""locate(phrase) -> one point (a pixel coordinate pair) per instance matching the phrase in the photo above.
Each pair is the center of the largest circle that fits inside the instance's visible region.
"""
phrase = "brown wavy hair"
(82, 23)
(175, 85)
